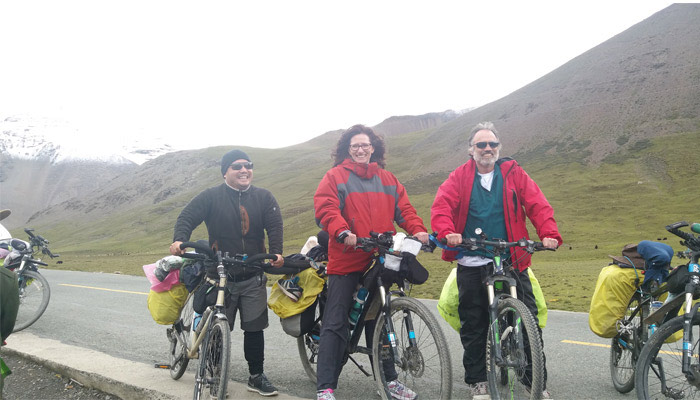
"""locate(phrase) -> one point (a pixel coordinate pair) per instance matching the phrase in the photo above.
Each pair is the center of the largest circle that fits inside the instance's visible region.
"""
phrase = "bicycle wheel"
(177, 356)
(659, 369)
(423, 364)
(520, 375)
(212, 379)
(626, 345)
(34, 295)
(308, 351)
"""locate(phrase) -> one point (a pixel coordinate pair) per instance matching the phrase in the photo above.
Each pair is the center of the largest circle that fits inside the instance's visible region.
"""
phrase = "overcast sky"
(276, 73)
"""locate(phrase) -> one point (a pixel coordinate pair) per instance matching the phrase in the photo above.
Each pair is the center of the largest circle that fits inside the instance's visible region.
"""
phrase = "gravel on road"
(31, 380)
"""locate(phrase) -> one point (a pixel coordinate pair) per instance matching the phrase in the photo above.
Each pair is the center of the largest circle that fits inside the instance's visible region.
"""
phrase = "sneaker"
(291, 288)
(259, 383)
(480, 389)
(325, 395)
(399, 391)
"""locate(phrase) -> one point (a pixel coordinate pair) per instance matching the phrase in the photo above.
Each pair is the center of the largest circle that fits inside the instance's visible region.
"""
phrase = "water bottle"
(195, 320)
(653, 307)
(356, 309)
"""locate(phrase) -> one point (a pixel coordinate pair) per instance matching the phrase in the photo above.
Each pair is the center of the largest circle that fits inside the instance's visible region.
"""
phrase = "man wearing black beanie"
(237, 216)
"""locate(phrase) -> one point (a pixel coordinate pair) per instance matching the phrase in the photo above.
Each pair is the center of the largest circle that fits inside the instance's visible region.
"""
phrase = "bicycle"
(633, 333)
(514, 352)
(34, 290)
(211, 339)
(667, 367)
(406, 334)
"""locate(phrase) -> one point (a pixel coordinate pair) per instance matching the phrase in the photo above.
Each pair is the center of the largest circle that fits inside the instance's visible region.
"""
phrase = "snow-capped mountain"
(56, 141)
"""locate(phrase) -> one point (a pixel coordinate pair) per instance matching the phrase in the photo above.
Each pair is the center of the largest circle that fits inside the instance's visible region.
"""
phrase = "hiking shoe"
(325, 395)
(480, 389)
(399, 391)
(259, 383)
(291, 288)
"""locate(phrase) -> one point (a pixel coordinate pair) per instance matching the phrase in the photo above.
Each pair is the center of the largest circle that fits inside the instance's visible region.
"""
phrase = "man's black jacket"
(236, 220)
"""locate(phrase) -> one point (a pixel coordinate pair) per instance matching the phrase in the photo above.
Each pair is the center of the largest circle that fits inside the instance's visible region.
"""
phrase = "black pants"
(335, 331)
(474, 317)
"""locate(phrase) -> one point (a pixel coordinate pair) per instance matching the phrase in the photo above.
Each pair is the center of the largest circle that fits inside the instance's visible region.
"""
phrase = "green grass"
(599, 209)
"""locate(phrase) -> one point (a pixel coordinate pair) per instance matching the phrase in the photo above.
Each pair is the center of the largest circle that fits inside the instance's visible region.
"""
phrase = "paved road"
(95, 314)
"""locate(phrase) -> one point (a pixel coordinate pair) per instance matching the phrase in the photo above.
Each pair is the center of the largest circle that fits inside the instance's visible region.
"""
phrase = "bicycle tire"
(34, 297)
(625, 347)
(515, 323)
(212, 378)
(308, 352)
(657, 352)
(177, 356)
(425, 368)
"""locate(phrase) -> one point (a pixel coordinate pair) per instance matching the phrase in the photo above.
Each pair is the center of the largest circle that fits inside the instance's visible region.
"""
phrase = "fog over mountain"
(601, 108)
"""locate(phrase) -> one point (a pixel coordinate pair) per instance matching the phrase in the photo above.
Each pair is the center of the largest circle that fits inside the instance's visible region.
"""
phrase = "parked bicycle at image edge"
(633, 332)
(406, 334)
(514, 351)
(34, 290)
(669, 368)
(211, 340)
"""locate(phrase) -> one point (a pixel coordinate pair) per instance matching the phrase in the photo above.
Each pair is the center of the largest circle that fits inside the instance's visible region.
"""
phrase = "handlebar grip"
(259, 257)
(198, 247)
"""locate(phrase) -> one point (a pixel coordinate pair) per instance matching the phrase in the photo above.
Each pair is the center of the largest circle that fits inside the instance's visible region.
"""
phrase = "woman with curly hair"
(355, 197)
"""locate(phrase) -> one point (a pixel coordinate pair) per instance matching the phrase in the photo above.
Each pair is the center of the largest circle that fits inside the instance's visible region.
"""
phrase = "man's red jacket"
(521, 197)
(360, 198)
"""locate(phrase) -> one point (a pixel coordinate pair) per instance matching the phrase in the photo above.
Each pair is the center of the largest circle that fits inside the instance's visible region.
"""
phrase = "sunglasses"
(239, 166)
(482, 145)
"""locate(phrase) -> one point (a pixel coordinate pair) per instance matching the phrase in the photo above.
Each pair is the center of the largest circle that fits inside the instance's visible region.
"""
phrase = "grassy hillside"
(598, 209)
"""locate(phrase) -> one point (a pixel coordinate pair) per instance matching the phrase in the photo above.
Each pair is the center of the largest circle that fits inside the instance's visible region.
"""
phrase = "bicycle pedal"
(163, 366)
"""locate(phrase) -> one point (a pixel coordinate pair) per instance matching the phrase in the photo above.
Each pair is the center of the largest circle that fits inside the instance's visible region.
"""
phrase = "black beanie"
(230, 157)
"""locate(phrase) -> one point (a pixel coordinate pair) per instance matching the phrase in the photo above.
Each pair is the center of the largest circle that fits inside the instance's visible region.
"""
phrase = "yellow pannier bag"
(165, 306)
(542, 312)
(448, 303)
(284, 307)
(613, 291)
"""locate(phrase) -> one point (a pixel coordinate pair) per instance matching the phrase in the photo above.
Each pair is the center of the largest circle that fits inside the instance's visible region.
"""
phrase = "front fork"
(389, 323)
(493, 283)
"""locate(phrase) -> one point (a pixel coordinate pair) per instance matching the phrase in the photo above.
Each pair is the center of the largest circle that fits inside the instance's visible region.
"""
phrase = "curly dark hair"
(342, 149)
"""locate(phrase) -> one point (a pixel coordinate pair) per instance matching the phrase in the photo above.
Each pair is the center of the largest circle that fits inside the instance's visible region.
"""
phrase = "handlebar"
(497, 244)
(205, 253)
(689, 240)
(40, 242)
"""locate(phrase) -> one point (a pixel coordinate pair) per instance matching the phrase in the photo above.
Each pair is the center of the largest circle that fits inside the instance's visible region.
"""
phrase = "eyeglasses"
(482, 145)
(237, 166)
(357, 146)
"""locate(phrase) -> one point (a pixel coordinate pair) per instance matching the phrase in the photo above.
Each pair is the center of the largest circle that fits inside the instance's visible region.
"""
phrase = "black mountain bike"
(632, 333)
(210, 341)
(34, 291)
(406, 332)
(668, 367)
(514, 352)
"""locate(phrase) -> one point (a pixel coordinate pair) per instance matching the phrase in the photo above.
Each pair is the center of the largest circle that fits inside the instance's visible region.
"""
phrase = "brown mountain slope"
(642, 83)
